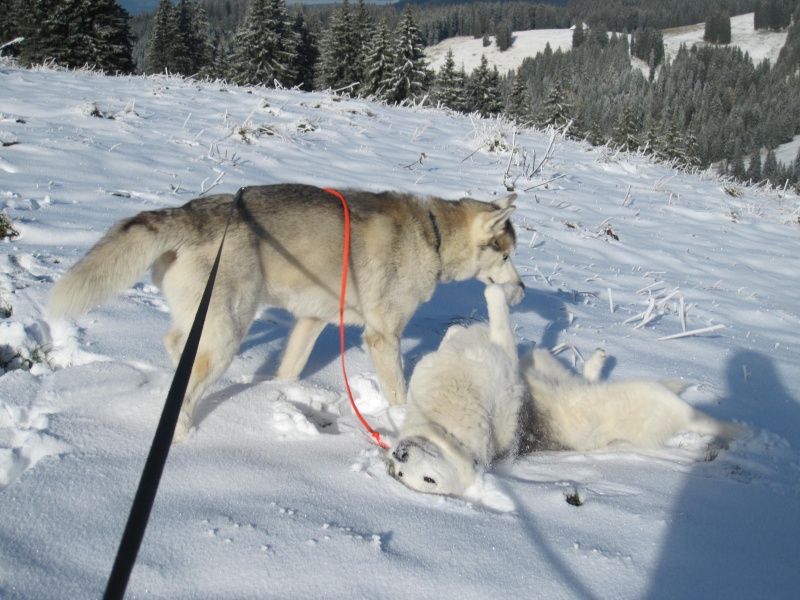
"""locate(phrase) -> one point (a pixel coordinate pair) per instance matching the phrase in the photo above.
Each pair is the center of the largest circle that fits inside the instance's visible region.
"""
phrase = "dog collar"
(436, 231)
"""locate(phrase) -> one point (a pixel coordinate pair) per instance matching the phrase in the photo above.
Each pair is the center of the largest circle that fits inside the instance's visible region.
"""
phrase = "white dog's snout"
(401, 453)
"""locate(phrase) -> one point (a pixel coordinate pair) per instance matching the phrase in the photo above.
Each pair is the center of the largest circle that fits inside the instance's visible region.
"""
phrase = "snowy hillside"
(278, 493)
(467, 51)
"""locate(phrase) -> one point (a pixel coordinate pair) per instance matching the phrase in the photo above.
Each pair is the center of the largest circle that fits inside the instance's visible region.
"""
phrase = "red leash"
(345, 260)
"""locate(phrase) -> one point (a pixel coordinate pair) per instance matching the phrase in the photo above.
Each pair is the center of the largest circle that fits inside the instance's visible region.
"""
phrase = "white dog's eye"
(430, 480)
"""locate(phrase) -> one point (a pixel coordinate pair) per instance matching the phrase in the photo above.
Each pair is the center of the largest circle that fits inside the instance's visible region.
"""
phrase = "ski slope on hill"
(467, 50)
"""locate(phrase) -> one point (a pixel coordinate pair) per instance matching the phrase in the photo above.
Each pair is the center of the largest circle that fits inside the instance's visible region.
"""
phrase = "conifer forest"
(709, 105)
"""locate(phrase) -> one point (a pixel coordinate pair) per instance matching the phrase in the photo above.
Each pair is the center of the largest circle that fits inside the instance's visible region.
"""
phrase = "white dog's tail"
(703, 424)
(698, 421)
(500, 331)
(115, 263)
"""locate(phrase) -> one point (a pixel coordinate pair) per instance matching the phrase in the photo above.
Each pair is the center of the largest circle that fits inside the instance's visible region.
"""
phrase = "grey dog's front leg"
(302, 338)
(384, 350)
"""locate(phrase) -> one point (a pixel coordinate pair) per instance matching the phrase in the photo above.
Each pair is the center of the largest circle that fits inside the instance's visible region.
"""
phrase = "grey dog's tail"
(115, 263)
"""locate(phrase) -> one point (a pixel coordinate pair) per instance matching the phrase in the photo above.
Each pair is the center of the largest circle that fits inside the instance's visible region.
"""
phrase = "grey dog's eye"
(429, 480)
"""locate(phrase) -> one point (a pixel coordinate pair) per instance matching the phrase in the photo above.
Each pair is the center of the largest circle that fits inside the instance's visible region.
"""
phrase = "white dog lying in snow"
(583, 413)
(463, 405)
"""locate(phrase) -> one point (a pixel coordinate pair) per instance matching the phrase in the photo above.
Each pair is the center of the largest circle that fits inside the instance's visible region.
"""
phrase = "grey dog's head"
(496, 242)
(425, 466)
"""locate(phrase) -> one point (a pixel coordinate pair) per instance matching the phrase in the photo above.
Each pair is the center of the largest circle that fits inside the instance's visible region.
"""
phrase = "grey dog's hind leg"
(222, 334)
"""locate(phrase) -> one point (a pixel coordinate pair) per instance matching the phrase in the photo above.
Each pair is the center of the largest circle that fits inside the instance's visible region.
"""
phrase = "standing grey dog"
(284, 248)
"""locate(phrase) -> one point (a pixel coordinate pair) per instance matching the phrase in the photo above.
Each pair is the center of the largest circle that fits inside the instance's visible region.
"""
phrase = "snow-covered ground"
(279, 493)
(467, 51)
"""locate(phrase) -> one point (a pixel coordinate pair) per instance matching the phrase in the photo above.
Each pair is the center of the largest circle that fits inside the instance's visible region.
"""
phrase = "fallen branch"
(691, 333)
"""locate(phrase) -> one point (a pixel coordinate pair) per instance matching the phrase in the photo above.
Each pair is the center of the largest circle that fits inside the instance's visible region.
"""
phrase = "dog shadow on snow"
(712, 550)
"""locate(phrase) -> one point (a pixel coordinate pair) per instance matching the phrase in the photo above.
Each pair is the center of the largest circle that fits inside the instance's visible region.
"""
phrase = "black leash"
(154, 467)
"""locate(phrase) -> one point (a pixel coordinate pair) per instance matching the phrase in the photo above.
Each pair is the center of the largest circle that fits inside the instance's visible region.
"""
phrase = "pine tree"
(379, 61)
(578, 35)
(771, 170)
(218, 66)
(519, 100)
(718, 28)
(483, 89)
(192, 44)
(265, 47)
(556, 110)
(410, 77)
(626, 134)
(162, 54)
(669, 145)
(8, 24)
(736, 166)
(364, 31)
(13, 17)
(339, 63)
(448, 88)
(504, 35)
(753, 172)
(307, 52)
(75, 33)
(598, 35)
(796, 167)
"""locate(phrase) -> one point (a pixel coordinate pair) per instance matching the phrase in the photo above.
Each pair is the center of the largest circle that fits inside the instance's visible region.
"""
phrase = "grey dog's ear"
(493, 223)
(505, 202)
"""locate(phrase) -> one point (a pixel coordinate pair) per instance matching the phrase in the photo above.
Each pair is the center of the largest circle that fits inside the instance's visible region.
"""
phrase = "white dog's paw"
(484, 492)
(495, 292)
(594, 365)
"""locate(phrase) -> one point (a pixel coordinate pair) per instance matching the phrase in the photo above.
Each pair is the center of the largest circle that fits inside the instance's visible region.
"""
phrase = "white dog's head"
(429, 467)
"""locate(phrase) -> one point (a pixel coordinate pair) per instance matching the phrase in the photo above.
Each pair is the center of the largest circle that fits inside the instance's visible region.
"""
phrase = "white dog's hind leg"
(594, 365)
(302, 338)
(499, 320)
